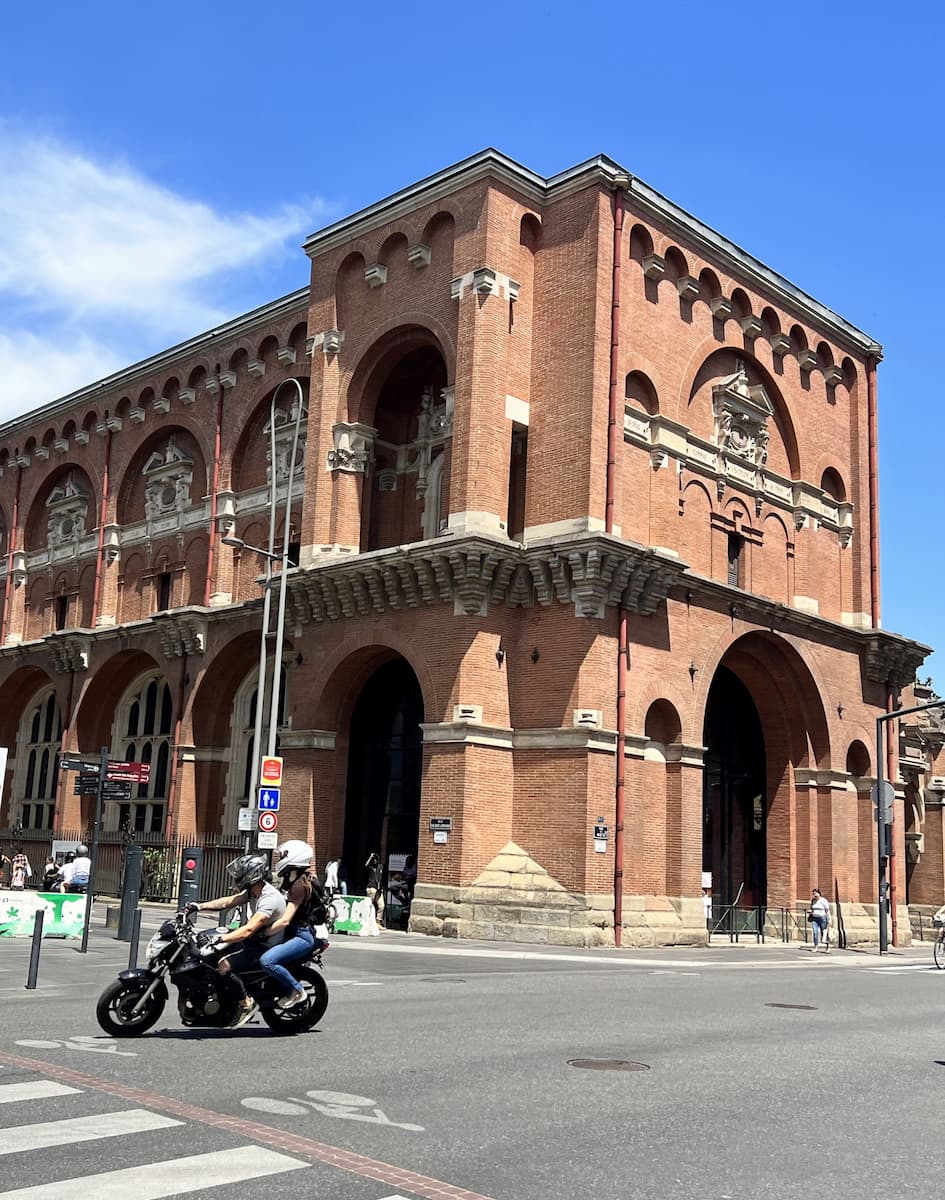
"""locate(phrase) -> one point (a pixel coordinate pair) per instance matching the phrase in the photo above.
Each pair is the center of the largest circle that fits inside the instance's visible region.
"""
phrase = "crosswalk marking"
(173, 1177)
(39, 1089)
(80, 1129)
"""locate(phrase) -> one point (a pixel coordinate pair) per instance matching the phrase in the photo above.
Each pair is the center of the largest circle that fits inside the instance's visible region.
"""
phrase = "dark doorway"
(734, 801)
(385, 757)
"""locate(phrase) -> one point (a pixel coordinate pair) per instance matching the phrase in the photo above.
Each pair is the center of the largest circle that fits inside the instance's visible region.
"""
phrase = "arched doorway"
(385, 757)
(734, 802)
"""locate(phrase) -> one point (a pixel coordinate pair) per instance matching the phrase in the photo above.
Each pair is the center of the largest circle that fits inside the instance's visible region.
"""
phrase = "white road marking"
(174, 1177)
(343, 1105)
(81, 1129)
(38, 1089)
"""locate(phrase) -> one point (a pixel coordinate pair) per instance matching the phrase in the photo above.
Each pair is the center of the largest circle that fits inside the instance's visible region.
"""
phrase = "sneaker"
(291, 1000)
(246, 1015)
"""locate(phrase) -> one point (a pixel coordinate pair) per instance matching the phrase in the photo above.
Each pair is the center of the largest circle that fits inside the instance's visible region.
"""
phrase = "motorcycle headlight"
(155, 946)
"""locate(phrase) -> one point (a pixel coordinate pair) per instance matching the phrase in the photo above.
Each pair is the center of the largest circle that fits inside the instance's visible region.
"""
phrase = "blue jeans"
(819, 930)
(295, 947)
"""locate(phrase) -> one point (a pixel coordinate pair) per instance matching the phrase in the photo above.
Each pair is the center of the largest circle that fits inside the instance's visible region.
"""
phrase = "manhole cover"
(607, 1064)
(804, 1007)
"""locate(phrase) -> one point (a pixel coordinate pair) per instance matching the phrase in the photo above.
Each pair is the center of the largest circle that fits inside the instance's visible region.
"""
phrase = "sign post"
(102, 771)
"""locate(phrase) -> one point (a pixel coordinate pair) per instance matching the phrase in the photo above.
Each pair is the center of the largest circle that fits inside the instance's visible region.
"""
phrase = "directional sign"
(268, 821)
(267, 841)
(270, 772)
(269, 798)
(76, 764)
(128, 772)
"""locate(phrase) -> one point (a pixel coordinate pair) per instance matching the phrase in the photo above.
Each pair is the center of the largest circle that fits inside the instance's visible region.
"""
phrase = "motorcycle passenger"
(305, 907)
(250, 873)
(81, 870)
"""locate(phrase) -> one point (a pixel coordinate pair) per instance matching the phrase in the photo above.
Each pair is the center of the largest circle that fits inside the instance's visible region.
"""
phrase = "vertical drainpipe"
(621, 182)
(215, 486)
(100, 558)
(14, 522)
(872, 418)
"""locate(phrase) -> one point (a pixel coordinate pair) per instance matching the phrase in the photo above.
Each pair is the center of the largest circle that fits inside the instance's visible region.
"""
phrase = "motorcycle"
(135, 1001)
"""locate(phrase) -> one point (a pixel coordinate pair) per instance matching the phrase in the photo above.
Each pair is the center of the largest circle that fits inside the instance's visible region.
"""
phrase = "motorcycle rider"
(81, 870)
(305, 907)
(250, 873)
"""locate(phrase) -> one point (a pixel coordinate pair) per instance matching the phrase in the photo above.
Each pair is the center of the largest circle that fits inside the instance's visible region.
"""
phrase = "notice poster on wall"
(3, 773)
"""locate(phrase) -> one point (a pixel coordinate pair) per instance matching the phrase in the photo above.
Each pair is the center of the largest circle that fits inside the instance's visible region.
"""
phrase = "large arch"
(764, 721)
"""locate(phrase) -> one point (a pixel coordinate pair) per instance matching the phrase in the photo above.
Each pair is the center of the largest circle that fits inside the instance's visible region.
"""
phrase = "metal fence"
(759, 921)
(161, 860)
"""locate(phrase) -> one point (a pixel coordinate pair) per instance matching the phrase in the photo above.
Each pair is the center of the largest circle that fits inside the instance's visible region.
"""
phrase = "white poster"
(3, 771)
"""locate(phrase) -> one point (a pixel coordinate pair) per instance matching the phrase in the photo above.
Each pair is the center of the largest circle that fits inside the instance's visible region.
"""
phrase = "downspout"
(100, 558)
(872, 420)
(620, 183)
(212, 541)
(8, 594)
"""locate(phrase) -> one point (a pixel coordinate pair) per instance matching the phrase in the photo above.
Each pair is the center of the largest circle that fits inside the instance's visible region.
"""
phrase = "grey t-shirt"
(271, 902)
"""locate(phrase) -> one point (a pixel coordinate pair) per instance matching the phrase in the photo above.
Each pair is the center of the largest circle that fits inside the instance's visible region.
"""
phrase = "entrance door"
(385, 757)
(734, 803)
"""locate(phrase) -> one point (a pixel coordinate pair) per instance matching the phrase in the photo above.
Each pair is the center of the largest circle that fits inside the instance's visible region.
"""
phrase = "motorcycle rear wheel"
(302, 1016)
(113, 1011)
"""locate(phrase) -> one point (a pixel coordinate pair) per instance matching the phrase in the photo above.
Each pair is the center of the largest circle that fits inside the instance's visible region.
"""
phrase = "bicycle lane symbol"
(330, 1104)
(86, 1042)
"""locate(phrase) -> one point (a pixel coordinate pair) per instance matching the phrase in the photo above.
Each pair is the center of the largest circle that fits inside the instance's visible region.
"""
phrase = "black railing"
(759, 921)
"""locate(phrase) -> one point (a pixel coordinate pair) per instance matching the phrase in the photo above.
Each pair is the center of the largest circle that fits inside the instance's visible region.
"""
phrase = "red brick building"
(582, 482)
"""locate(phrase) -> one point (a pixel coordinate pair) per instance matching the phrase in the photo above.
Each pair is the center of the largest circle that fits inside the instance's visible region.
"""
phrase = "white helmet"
(293, 854)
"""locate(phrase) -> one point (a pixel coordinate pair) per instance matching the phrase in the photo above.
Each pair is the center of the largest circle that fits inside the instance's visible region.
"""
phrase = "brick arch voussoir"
(384, 340)
(94, 713)
(783, 664)
(353, 662)
(16, 695)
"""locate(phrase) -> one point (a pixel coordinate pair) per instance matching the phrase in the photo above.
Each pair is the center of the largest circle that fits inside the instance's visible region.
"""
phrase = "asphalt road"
(445, 1070)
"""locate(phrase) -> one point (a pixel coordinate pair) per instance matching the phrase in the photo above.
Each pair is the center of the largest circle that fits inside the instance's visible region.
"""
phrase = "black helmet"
(81, 851)
(248, 869)
(70, 856)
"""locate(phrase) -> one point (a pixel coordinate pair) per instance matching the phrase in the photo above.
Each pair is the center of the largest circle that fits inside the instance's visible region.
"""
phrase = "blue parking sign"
(269, 799)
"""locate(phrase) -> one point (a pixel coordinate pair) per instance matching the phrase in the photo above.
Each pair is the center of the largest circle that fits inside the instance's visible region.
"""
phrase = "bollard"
(135, 936)
(130, 891)
(35, 949)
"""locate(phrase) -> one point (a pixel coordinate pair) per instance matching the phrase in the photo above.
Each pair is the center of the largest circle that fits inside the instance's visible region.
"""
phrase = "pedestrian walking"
(5, 865)
(819, 917)
(20, 872)
(374, 891)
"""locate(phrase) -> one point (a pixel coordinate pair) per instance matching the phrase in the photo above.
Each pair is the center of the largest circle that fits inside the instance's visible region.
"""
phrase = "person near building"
(65, 871)
(5, 865)
(304, 909)
(820, 919)
(51, 875)
(20, 871)
(375, 877)
(78, 879)
(266, 904)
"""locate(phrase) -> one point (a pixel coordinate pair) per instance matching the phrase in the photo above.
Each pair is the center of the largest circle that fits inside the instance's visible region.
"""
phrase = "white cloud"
(100, 265)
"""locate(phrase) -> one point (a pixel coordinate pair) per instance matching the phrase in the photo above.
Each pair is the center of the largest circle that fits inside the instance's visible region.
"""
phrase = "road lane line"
(37, 1089)
(174, 1177)
(42, 1135)
(292, 1143)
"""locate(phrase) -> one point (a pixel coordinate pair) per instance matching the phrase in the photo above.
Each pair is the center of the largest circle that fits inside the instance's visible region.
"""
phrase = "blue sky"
(160, 164)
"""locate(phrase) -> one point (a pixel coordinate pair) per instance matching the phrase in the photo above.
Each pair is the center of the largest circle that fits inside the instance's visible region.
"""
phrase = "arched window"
(36, 776)
(142, 733)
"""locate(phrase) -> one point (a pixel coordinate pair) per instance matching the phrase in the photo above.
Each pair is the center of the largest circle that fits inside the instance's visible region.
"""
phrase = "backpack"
(314, 911)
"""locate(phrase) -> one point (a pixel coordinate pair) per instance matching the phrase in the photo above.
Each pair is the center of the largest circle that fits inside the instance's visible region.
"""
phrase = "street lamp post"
(271, 557)
(884, 797)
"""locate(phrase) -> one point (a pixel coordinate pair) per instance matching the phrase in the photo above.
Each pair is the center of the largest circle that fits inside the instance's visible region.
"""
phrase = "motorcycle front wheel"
(114, 1009)
(302, 1016)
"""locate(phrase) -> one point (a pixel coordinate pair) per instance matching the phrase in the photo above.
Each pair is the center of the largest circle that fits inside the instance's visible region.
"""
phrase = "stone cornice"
(591, 571)
(264, 315)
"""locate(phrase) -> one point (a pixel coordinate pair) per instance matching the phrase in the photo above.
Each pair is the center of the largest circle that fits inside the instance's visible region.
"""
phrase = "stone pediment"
(742, 411)
(169, 474)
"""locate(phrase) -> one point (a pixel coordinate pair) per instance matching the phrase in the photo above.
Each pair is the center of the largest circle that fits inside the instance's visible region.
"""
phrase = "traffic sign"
(268, 821)
(269, 798)
(77, 764)
(267, 841)
(270, 773)
(248, 820)
(128, 772)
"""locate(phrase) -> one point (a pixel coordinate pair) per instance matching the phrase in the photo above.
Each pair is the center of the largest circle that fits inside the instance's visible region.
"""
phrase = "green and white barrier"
(65, 914)
(355, 915)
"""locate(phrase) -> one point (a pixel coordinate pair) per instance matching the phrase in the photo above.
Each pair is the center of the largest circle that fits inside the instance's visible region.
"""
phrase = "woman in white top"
(820, 918)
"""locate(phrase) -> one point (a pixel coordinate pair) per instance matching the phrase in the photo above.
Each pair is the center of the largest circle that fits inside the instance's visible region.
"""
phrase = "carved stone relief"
(68, 506)
(742, 412)
(285, 433)
(169, 475)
